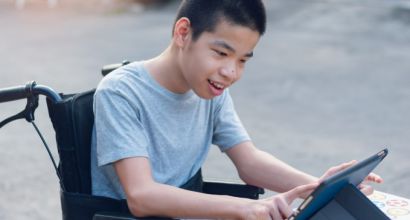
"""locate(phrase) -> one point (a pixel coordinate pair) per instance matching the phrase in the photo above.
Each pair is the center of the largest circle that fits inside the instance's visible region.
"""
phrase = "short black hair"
(205, 15)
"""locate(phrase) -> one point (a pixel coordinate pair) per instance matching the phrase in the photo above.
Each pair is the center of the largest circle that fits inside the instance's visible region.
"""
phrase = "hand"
(277, 207)
(365, 188)
(335, 169)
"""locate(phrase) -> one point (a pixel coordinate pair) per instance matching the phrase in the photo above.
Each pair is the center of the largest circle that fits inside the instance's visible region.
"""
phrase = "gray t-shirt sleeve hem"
(228, 146)
(105, 160)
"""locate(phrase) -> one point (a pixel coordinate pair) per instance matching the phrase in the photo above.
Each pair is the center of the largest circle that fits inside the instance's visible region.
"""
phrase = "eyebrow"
(225, 45)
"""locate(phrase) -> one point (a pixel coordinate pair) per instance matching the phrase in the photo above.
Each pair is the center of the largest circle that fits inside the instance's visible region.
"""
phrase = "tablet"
(328, 189)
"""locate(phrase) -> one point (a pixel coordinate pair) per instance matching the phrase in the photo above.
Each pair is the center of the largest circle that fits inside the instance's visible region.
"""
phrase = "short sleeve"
(228, 129)
(119, 131)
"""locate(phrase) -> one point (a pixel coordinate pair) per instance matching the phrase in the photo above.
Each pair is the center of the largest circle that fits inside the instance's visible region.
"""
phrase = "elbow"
(138, 204)
(246, 173)
(246, 178)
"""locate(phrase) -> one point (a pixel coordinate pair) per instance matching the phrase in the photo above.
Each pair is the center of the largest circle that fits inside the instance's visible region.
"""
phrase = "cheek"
(203, 65)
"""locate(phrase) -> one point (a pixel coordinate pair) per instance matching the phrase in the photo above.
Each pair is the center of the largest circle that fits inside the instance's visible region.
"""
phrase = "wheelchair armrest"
(232, 189)
(122, 216)
(112, 216)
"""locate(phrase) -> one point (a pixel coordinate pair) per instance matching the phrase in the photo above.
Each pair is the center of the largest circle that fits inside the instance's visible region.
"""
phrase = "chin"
(204, 95)
(207, 97)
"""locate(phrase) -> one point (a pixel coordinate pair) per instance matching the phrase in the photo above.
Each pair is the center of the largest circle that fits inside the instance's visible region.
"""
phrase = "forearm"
(163, 200)
(264, 170)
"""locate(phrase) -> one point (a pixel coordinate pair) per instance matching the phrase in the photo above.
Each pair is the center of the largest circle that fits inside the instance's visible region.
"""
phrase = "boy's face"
(217, 59)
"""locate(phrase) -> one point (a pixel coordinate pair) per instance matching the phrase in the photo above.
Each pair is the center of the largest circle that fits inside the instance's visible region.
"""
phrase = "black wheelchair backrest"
(73, 121)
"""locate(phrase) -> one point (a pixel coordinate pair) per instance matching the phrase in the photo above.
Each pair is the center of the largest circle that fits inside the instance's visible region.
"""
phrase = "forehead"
(239, 37)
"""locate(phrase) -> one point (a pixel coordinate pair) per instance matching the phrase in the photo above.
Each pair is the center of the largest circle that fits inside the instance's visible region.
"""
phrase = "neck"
(166, 71)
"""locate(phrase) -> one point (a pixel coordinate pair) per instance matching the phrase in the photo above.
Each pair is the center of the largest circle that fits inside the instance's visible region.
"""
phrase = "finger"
(343, 166)
(275, 215)
(372, 177)
(284, 208)
(366, 189)
(298, 191)
(331, 171)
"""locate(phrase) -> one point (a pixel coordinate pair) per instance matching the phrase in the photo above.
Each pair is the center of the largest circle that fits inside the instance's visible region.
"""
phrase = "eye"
(243, 60)
(220, 53)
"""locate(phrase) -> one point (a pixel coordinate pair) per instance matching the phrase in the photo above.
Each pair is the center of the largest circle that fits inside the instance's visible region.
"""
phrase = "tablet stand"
(350, 204)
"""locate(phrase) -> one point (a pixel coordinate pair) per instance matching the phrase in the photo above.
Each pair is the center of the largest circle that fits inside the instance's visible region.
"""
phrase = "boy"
(156, 119)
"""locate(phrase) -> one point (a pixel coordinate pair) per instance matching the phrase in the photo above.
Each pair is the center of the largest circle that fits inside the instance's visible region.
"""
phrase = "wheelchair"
(72, 119)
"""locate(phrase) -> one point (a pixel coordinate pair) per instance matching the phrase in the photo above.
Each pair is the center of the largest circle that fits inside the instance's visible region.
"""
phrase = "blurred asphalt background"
(329, 82)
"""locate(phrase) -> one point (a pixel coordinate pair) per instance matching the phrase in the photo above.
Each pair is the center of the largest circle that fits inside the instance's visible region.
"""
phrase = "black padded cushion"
(73, 120)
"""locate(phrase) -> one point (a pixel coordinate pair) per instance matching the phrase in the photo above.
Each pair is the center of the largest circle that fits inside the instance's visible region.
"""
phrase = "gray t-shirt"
(137, 117)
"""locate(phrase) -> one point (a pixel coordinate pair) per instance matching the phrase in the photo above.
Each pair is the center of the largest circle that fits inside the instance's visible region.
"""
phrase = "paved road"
(329, 82)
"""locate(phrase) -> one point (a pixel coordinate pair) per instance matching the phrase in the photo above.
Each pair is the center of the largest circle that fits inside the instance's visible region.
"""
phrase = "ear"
(182, 31)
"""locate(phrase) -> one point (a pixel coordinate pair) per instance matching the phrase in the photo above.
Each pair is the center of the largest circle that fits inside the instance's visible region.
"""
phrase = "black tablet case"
(350, 204)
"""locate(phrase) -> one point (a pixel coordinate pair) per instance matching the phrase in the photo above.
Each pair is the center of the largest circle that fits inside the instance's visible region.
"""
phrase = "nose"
(230, 71)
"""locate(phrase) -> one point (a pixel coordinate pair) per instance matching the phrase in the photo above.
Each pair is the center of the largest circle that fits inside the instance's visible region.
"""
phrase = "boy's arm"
(145, 197)
(261, 169)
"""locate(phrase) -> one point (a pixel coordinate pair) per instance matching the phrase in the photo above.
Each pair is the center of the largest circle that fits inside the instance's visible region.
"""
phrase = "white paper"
(395, 207)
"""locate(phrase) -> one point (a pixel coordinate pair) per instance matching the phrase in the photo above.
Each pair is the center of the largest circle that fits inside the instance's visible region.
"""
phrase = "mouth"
(216, 85)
